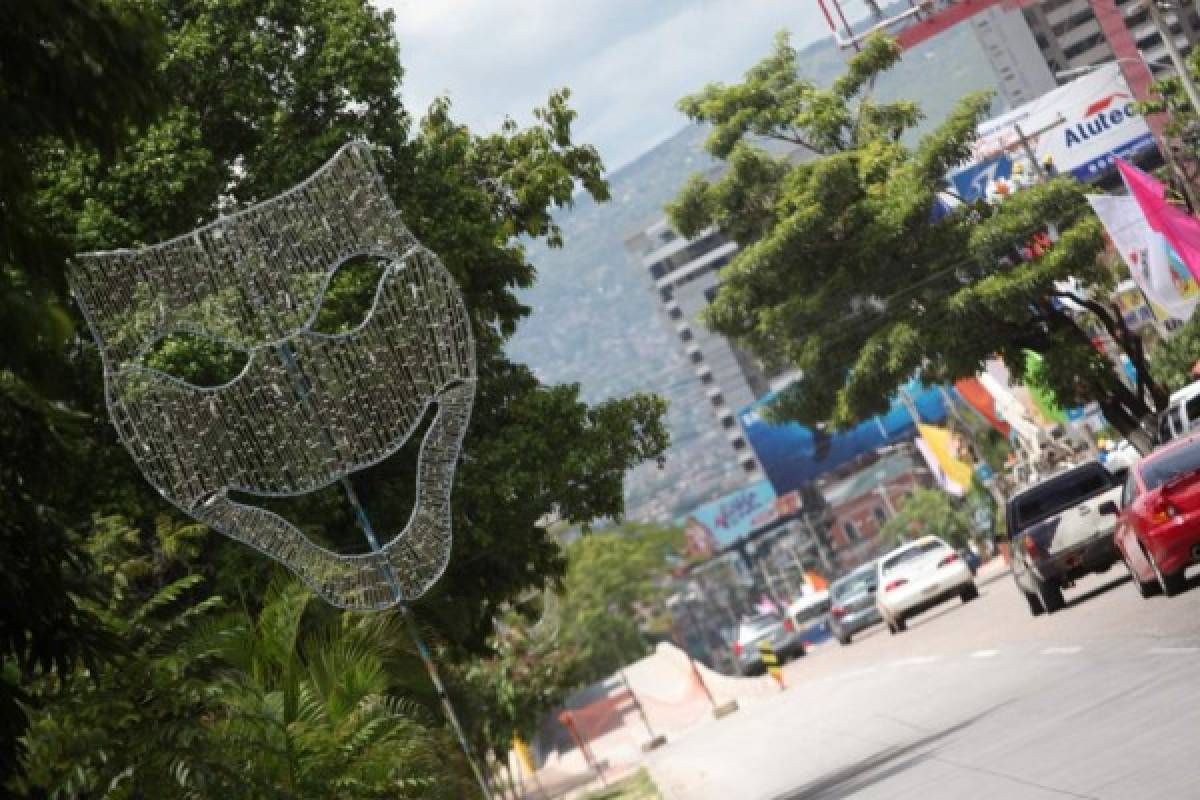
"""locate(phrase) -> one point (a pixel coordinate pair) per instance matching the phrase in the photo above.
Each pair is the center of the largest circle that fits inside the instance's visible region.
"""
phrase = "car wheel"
(844, 639)
(970, 593)
(1051, 596)
(1171, 584)
(901, 625)
(1146, 589)
(1035, 603)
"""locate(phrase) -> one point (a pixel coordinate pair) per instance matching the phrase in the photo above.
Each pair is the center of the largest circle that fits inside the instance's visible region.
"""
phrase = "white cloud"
(627, 62)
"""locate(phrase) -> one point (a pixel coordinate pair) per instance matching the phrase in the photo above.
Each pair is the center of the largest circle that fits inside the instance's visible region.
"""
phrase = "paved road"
(1101, 700)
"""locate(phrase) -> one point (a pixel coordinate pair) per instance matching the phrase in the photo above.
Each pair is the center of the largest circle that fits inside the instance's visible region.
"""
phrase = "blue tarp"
(793, 455)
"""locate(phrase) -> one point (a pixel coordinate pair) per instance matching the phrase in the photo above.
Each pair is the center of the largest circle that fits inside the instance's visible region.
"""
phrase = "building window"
(710, 293)
(697, 357)
(706, 379)
(686, 334)
(1084, 45)
(880, 515)
(717, 400)
(739, 443)
(851, 531)
(727, 422)
(657, 270)
(749, 466)
(675, 313)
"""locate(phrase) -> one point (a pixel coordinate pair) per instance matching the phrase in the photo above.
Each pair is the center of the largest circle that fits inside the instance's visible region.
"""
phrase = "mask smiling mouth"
(311, 403)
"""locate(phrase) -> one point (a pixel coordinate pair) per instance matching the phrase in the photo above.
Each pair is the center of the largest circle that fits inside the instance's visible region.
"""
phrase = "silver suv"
(785, 640)
(853, 607)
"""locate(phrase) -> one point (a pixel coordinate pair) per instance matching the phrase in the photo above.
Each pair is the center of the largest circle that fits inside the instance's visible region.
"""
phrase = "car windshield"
(1159, 469)
(855, 584)
(912, 554)
(755, 625)
(1059, 494)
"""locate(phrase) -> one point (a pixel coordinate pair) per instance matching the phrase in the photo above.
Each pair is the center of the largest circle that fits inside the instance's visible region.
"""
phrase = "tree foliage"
(293, 701)
(1173, 360)
(167, 113)
(928, 512)
(614, 581)
(847, 273)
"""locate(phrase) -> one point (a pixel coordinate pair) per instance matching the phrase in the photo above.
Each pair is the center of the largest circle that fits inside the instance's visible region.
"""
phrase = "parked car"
(853, 606)
(917, 576)
(1057, 533)
(1158, 521)
(1182, 414)
(781, 633)
(809, 615)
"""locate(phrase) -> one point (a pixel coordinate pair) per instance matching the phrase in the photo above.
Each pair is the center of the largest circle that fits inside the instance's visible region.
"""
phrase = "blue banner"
(793, 455)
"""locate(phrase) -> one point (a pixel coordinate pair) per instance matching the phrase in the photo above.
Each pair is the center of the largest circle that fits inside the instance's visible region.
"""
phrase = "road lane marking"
(916, 661)
(1061, 651)
(985, 654)
(1174, 651)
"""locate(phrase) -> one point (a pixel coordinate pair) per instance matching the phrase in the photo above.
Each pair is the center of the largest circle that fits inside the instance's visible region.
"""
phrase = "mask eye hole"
(197, 360)
(350, 295)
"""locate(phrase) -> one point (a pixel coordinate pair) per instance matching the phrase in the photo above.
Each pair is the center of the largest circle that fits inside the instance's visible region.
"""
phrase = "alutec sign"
(1082, 126)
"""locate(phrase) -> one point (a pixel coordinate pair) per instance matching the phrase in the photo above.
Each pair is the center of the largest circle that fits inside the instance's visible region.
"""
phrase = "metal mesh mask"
(308, 408)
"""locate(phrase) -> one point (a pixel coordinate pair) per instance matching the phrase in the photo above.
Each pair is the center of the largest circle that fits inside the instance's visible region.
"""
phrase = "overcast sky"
(626, 62)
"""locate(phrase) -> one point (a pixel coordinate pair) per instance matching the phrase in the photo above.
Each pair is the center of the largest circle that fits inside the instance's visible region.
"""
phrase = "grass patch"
(636, 787)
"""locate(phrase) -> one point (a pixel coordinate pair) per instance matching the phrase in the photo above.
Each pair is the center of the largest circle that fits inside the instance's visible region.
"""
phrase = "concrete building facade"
(1022, 74)
(685, 276)
(1068, 34)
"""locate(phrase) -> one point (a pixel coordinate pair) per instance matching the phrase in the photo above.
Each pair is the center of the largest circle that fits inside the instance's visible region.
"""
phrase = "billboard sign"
(1082, 126)
(716, 525)
(793, 455)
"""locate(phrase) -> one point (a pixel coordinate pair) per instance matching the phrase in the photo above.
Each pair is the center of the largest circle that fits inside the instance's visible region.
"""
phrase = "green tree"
(844, 274)
(74, 73)
(1173, 360)
(529, 674)
(294, 701)
(928, 512)
(222, 103)
(614, 581)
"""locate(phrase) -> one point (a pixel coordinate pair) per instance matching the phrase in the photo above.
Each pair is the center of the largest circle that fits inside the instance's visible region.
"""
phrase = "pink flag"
(1180, 229)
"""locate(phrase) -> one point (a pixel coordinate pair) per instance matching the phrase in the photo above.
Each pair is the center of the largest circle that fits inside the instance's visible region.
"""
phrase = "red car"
(1158, 530)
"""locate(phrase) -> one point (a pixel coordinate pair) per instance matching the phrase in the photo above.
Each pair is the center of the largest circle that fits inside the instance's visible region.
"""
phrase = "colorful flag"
(1179, 228)
(1156, 268)
(523, 755)
(940, 448)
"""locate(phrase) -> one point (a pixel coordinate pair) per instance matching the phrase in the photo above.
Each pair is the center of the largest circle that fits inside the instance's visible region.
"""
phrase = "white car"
(919, 575)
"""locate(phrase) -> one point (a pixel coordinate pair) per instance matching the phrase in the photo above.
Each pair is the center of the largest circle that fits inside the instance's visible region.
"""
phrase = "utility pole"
(1185, 77)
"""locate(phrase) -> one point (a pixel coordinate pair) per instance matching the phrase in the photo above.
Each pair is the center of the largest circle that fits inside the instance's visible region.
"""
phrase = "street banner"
(1179, 228)
(1081, 127)
(523, 755)
(980, 399)
(1153, 264)
(940, 448)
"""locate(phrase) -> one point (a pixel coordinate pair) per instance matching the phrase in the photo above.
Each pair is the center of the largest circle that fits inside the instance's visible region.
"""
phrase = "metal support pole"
(655, 739)
(1032, 156)
(301, 388)
(1185, 77)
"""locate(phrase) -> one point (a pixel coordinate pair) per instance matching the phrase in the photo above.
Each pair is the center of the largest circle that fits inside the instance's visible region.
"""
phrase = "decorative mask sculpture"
(309, 408)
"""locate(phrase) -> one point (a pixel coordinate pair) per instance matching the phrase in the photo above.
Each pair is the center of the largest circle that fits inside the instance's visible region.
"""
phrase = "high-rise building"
(1069, 36)
(684, 273)
(1022, 74)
